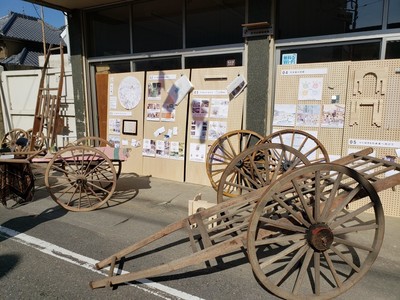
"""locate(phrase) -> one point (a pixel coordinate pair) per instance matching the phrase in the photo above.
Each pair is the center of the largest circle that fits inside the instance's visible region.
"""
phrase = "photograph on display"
(129, 92)
(310, 88)
(154, 91)
(236, 87)
(200, 107)
(308, 115)
(149, 148)
(168, 112)
(197, 152)
(153, 111)
(180, 89)
(115, 140)
(219, 108)
(162, 149)
(177, 150)
(284, 115)
(129, 127)
(216, 129)
(198, 130)
(114, 126)
(333, 115)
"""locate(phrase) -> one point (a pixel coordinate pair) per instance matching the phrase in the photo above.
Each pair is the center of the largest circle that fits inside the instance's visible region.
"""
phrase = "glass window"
(354, 52)
(109, 32)
(213, 61)
(392, 49)
(113, 67)
(157, 25)
(394, 14)
(170, 63)
(302, 18)
(210, 22)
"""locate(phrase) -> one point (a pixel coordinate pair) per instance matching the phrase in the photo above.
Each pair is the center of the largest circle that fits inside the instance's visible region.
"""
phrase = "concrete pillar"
(258, 55)
(75, 34)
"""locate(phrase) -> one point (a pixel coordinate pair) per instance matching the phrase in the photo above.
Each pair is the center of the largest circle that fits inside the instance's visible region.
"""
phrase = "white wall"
(20, 92)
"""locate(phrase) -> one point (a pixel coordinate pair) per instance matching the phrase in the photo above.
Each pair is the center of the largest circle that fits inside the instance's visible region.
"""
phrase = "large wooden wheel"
(94, 141)
(224, 149)
(80, 178)
(11, 137)
(303, 242)
(306, 143)
(256, 167)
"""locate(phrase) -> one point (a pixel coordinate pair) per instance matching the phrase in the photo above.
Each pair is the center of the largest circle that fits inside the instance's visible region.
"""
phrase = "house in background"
(21, 40)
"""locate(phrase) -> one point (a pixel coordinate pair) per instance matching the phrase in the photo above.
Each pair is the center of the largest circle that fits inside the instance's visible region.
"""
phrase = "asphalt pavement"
(141, 205)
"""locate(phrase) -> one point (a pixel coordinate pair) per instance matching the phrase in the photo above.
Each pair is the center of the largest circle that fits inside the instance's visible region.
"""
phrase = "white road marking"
(154, 288)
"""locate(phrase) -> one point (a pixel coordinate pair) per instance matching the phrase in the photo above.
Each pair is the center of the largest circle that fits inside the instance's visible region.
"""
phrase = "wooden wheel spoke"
(303, 142)
(270, 260)
(303, 270)
(317, 196)
(345, 259)
(352, 215)
(353, 244)
(303, 200)
(317, 272)
(280, 239)
(344, 202)
(294, 214)
(311, 151)
(294, 261)
(283, 224)
(91, 184)
(334, 190)
(356, 228)
(332, 269)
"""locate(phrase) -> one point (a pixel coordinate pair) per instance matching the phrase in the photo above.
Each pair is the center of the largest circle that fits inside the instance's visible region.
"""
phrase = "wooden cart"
(312, 233)
(80, 177)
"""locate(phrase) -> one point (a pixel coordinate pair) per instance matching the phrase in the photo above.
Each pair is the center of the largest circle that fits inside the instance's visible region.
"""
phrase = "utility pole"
(43, 32)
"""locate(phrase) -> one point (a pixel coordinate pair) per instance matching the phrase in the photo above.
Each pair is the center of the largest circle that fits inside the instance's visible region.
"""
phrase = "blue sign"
(289, 59)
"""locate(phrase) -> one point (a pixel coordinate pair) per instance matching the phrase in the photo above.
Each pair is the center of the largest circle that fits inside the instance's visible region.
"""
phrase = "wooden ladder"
(47, 113)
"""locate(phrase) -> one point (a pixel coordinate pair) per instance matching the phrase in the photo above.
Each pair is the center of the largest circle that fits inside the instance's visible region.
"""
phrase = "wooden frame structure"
(312, 233)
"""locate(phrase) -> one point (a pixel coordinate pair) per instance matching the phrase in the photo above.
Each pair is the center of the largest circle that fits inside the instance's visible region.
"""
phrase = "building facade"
(152, 35)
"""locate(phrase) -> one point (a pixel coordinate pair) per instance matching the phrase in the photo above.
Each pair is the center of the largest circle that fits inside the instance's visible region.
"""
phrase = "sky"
(51, 16)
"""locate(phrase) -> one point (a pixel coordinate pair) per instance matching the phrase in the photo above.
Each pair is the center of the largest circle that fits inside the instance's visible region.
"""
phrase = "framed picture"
(129, 127)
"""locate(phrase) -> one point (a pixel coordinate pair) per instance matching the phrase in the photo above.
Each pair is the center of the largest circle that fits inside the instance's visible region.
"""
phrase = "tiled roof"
(25, 57)
(21, 27)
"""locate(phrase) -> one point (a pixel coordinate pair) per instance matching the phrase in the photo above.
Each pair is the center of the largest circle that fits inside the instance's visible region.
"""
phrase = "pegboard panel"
(125, 116)
(211, 114)
(164, 127)
(312, 98)
(372, 117)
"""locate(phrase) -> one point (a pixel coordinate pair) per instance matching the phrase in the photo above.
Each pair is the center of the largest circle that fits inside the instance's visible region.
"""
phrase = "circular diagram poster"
(129, 92)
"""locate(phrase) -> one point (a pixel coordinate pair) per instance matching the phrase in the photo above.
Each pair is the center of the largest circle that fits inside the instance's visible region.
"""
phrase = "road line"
(88, 263)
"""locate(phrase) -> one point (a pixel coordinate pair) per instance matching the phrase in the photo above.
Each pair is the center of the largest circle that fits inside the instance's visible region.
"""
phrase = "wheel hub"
(286, 165)
(81, 181)
(320, 237)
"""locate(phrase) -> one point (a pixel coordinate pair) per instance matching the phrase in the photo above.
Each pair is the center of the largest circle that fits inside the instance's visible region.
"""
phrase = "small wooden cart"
(312, 233)
(80, 177)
